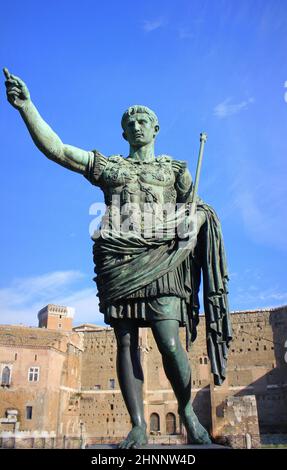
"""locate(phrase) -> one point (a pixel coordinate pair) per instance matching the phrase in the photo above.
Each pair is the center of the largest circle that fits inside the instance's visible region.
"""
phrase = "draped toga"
(156, 274)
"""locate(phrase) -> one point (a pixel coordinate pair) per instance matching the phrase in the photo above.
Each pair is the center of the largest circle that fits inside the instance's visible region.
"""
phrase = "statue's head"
(140, 125)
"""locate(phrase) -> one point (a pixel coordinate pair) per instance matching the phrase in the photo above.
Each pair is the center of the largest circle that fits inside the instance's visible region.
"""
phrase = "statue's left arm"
(183, 186)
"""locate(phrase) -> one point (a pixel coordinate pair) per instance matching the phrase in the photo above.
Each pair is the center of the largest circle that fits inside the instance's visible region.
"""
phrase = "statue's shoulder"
(164, 159)
(117, 159)
(179, 167)
(101, 164)
(111, 158)
(171, 160)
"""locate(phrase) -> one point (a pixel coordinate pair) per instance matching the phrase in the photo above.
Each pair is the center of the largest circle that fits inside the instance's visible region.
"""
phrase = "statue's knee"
(124, 342)
(169, 347)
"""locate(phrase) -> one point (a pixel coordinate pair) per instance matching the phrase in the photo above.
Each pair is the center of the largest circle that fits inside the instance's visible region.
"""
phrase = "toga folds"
(132, 269)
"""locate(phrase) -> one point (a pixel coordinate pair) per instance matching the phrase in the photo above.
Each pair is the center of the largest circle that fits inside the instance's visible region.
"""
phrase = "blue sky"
(218, 66)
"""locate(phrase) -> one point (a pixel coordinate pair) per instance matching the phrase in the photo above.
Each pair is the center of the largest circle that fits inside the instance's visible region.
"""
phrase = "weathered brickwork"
(257, 366)
(40, 373)
(102, 408)
(77, 391)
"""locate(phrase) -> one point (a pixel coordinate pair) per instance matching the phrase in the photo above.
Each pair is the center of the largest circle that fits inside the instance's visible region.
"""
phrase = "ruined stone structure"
(64, 383)
(40, 372)
(258, 366)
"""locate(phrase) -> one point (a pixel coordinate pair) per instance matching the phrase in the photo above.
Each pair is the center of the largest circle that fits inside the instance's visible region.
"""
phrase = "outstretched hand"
(17, 93)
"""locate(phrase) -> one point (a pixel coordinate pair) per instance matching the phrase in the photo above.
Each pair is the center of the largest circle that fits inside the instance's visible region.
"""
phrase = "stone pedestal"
(187, 447)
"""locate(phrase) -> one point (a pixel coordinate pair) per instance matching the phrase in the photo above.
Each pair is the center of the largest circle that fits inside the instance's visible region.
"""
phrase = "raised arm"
(43, 136)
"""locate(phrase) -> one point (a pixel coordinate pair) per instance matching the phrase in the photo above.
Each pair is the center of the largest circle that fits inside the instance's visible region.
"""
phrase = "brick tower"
(56, 317)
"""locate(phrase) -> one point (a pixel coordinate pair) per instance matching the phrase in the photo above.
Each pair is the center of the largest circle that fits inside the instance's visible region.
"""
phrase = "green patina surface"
(148, 280)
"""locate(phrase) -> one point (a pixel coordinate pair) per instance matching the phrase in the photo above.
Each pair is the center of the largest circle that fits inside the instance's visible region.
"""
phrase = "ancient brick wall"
(78, 390)
(103, 411)
(257, 366)
(45, 401)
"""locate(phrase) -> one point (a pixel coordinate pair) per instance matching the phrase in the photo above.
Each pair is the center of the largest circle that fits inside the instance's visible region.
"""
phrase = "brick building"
(63, 382)
(39, 368)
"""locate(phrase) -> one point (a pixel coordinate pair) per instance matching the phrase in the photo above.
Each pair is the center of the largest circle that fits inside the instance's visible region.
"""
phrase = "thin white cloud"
(253, 297)
(152, 25)
(21, 301)
(45, 285)
(250, 290)
(86, 304)
(226, 108)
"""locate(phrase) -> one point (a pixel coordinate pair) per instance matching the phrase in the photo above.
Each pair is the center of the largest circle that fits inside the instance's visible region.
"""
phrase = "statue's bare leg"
(178, 372)
(130, 376)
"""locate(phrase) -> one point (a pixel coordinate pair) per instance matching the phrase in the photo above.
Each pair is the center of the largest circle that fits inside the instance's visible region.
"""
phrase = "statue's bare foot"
(136, 437)
(196, 433)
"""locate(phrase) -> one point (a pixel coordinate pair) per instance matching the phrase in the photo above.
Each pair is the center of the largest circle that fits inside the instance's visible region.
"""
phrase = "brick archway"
(170, 421)
(154, 422)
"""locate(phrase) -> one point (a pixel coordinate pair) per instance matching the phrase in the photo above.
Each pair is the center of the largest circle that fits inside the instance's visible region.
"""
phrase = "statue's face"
(140, 130)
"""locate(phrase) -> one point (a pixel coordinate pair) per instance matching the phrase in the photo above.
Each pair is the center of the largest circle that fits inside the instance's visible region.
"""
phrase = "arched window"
(205, 360)
(170, 423)
(200, 360)
(154, 422)
(6, 373)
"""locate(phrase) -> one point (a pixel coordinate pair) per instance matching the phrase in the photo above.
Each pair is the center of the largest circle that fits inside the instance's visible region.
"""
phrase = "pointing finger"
(6, 73)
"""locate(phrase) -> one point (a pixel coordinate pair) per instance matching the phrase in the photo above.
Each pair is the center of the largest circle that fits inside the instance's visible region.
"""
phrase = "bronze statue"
(147, 270)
